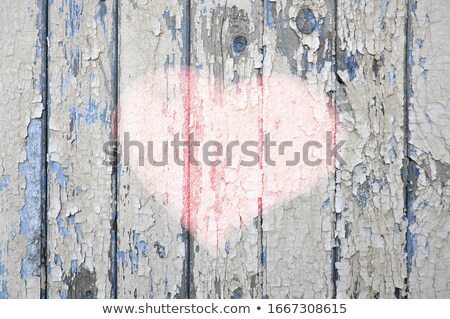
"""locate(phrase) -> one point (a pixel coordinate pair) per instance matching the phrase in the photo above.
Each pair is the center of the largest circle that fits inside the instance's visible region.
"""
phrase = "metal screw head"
(306, 21)
(239, 44)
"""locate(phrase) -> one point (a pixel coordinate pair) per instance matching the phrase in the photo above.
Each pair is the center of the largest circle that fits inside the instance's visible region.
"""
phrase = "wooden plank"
(429, 150)
(225, 100)
(20, 148)
(298, 242)
(81, 108)
(370, 192)
(152, 245)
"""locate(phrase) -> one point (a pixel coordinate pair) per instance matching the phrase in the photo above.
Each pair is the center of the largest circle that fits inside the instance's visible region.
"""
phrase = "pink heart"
(213, 202)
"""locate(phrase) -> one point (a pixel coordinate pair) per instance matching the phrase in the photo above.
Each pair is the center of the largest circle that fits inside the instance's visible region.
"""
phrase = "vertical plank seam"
(115, 170)
(44, 34)
(407, 163)
(188, 267)
(260, 206)
(335, 255)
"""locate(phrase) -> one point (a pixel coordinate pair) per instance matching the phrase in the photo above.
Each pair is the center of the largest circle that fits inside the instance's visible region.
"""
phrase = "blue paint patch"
(62, 294)
(4, 294)
(30, 213)
(422, 61)
(264, 257)
(326, 55)
(304, 62)
(150, 293)
(170, 62)
(414, 6)
(413, 174)
(397, 229)
(75, 119)
(73, 24)
(61, 229)
(268, 13)
(79, 233)
(419, 43)
(103, 116)
(227, 247)
(427, 249)
(92, 111)
(199, 66)
(74, 268)
(171, 23)
(4, 182)
(102, 11)
(383, 8)
(61, 178)
(411, 249)
(186, 33)
(122, 257)
(65, 79)
(393, 76)
(363, 195)
(422, 204)
(74, 57)
(143, 248)
(160, 249)
(392, 155)
(79, 191)
(58, 260)
(71, 220)
(325, 205)
(350, 64)
(2, 266)
(134, 258)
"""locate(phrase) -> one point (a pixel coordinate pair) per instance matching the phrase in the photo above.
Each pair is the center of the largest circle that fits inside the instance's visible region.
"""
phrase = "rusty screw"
(306, 21)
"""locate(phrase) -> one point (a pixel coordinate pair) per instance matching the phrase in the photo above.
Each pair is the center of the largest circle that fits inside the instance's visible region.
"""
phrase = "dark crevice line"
(44, 34)
(262, 254)
(189, 242)
(115, 171)
(407, 134)
(335, 255)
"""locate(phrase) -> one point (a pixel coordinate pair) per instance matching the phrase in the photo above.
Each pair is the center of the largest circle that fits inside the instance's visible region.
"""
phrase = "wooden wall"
(378, 225)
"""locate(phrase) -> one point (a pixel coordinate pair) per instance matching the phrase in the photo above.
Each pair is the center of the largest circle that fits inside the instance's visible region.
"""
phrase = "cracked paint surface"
(371, 224)
(297, 260)
(377, 228)
(151, 244)
(20, 149)
(429, 151)
(80, 193)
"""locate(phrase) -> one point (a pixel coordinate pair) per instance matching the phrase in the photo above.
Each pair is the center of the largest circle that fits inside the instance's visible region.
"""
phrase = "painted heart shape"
(230, 185)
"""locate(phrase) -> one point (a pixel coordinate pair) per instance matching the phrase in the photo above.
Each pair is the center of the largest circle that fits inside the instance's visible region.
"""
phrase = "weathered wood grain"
(298, 240)
(226, 42)
(375, 226)
(429, 150)
(81, 105)
(371, 226)
(152, 245)
(21, 156)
